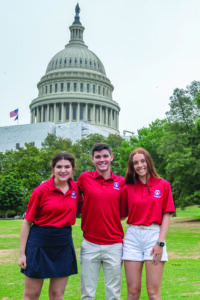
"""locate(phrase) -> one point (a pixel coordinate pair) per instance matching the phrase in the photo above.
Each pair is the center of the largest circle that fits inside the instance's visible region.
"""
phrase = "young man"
(101, 225)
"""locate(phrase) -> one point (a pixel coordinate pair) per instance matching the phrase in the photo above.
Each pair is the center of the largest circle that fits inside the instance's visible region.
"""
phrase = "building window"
(60, 61)
(62, 86)
(90, 62)
(74, 112)
(93, 89)
(81, 61)
(68, 86)
(88, 87)
(70, 61)
(89, 113)
(98, 113)
(75, 61)
(103, 91)
(81, 112)
(59, 112)
(67, 111)
(86, 61)
(99, 90)
(56, 62)
(50, 88)
(56, 88)
(81, 87)
(94, 64)
(46, 89)
(65, 61)
(75, 86)
(109, 117)
(44, 113)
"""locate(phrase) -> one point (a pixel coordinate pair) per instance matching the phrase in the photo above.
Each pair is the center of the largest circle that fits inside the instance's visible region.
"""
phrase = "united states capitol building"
(74, 98)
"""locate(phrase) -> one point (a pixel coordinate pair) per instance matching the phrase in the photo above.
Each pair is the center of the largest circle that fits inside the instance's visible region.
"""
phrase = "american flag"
(14, 113)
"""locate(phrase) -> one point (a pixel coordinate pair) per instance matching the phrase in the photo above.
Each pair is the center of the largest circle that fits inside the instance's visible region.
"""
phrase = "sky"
(148, 48)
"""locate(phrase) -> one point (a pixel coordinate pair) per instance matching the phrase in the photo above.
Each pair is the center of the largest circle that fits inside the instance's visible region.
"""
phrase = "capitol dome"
(75, 87)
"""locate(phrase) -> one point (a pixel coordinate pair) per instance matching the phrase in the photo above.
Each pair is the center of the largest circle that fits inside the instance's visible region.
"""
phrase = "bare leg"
(57, 288)
(133, 270)
(154, 274)
(33, 287)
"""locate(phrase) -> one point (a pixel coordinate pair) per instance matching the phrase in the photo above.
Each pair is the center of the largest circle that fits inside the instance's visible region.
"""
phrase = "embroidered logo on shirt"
(157, 193)
(73, 194)
(116, 185)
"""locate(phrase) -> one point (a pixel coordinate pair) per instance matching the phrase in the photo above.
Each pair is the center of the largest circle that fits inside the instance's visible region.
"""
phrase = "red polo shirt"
(145, 206)
(48, 206)
(100, 212)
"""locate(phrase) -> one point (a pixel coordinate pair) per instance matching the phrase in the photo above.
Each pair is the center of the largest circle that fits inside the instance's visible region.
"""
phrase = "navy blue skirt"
(50, 253)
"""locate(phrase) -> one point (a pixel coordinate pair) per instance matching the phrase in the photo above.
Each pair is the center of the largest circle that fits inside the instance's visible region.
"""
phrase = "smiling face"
(62, 171)
(140, 166)
(102, 160)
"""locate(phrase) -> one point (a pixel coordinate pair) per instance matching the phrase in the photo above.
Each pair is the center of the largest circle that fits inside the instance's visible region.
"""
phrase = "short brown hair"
(100, 147)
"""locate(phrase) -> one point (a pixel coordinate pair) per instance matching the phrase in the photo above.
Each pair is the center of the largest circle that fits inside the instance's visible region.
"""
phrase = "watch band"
(161, 244)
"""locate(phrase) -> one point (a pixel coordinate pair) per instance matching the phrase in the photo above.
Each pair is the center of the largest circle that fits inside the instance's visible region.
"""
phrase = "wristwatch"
(161, 244)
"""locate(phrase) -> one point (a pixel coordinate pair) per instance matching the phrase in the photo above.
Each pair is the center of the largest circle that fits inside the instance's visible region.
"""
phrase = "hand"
(156, 251)
(22, 261)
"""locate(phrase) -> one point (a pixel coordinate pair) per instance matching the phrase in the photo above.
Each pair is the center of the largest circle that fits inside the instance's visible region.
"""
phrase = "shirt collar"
(152, 181)
(97, 175)
(53, 188)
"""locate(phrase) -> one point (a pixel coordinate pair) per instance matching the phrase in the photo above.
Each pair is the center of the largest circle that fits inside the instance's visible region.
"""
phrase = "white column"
(42, 113)
(101, 115)
(86, 112)
(37, 114)
(63, 113)
(48, 117)
(70, 112)
(111, 118)
(54, 113)
(106, 116)
(93, 114)
(78, 113)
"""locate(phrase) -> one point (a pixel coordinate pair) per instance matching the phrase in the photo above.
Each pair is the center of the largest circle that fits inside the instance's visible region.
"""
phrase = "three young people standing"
(105, 202)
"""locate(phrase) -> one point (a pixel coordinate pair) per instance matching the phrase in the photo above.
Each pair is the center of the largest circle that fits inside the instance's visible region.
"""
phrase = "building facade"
(74, 98)
(75, 87)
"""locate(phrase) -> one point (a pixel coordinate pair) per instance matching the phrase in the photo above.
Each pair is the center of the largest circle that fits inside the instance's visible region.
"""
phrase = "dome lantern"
(76, 29)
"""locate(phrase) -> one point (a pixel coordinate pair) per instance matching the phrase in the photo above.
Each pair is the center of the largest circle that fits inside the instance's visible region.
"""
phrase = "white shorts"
(138, 242)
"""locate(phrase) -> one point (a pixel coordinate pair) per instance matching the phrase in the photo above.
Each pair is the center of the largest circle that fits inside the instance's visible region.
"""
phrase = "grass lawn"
(181, 278)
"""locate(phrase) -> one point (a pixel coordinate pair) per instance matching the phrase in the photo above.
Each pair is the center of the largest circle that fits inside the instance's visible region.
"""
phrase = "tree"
(11, 194)
(181, 146)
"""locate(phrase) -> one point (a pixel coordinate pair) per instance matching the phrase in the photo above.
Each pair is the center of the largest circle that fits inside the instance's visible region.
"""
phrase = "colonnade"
(76, 112)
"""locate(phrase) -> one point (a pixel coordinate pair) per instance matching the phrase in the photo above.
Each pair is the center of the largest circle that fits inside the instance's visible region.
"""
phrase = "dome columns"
(95, 114)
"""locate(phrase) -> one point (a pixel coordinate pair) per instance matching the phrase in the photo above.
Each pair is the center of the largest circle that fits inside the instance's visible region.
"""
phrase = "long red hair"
(131, 175)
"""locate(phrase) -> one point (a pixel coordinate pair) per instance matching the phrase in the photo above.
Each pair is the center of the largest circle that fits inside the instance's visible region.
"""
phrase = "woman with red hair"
(147, 201)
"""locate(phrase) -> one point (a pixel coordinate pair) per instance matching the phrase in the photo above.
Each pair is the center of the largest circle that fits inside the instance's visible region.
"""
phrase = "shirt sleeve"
(33, 205)
(80, 183)
(80, 202)
(168, 204)
(124, 203)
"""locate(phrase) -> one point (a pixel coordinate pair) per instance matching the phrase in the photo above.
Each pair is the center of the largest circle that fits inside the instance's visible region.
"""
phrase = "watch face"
(162, 244)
